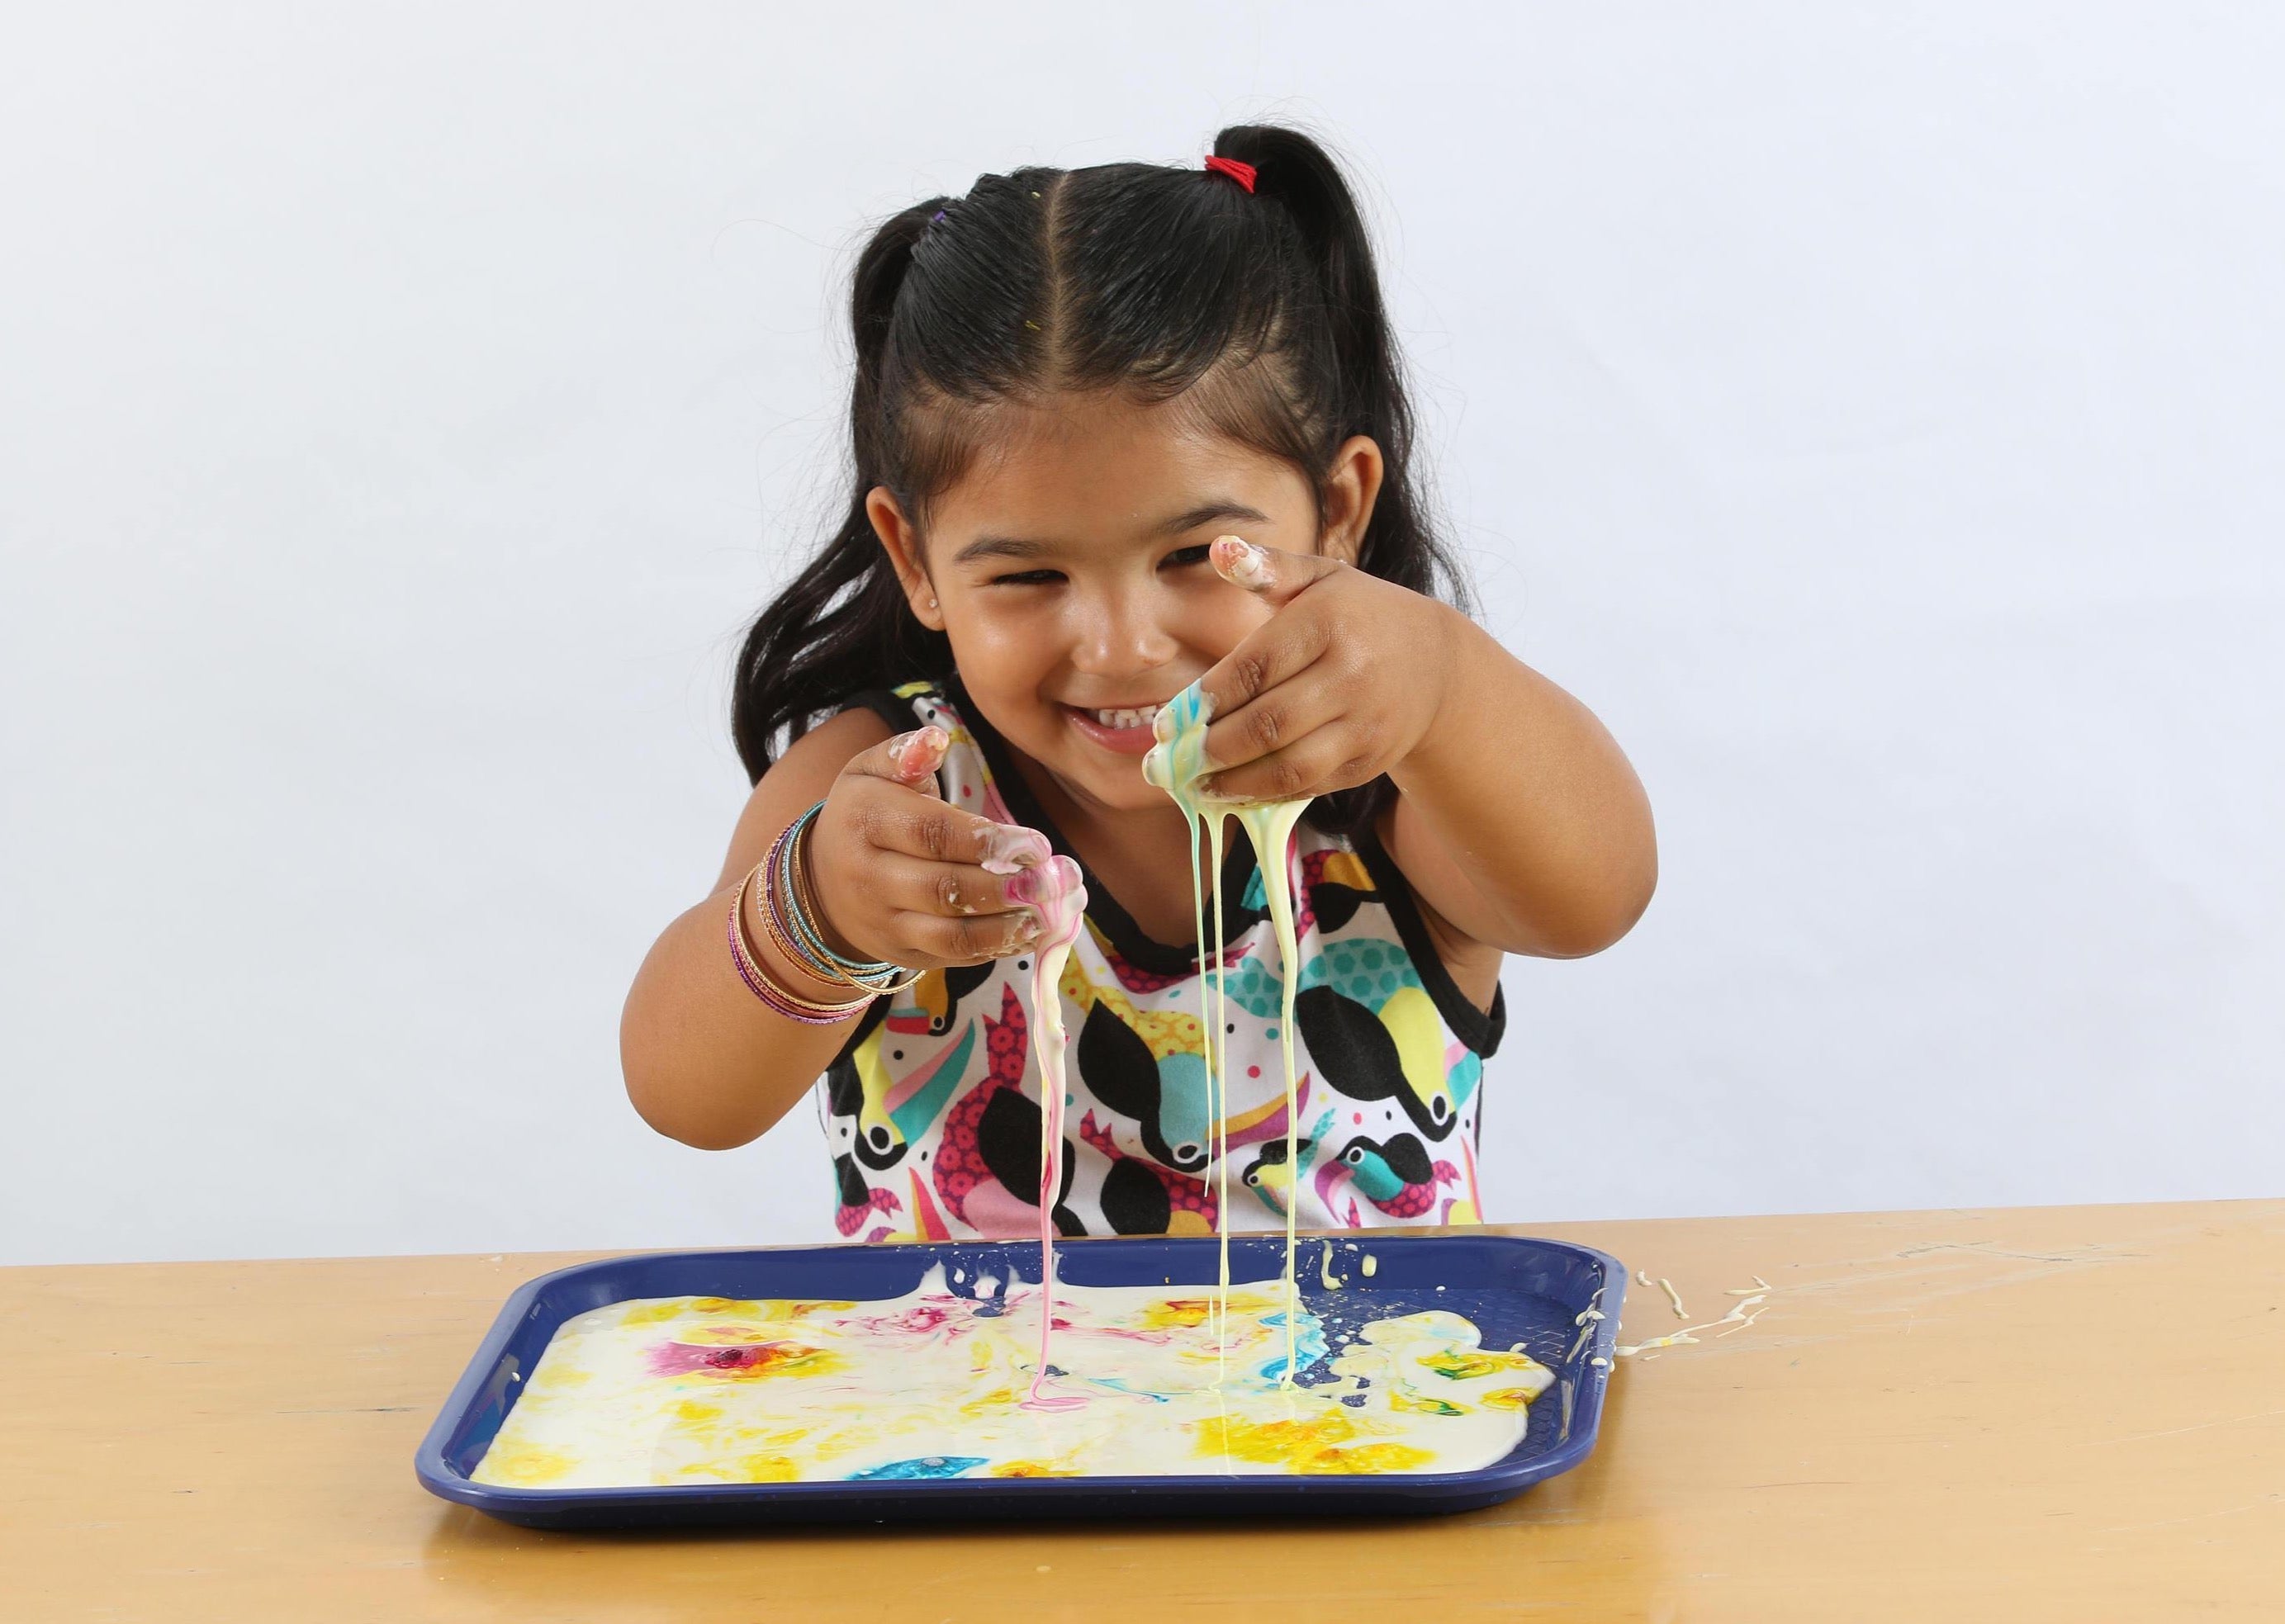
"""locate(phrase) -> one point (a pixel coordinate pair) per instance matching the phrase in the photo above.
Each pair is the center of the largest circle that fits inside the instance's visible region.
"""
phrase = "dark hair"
(1263, 308)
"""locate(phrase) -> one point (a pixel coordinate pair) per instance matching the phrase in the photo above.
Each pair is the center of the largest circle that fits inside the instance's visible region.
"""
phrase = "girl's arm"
(1520, 821)
(896, 876)
(706, 1061)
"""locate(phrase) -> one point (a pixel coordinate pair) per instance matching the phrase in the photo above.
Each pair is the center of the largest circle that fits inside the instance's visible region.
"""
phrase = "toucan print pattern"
(932, 1112)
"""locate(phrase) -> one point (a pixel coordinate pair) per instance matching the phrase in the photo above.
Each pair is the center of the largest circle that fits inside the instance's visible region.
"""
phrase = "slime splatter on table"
(702, 1390)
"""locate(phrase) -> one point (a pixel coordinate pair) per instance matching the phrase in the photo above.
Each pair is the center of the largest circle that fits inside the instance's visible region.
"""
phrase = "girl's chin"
(1108, 780)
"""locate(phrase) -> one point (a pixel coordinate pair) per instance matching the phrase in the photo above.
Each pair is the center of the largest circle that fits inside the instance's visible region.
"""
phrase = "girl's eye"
(1180, 558)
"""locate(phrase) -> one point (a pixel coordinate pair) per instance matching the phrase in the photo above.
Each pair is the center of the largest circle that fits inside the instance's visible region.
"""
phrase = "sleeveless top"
(932, 1113)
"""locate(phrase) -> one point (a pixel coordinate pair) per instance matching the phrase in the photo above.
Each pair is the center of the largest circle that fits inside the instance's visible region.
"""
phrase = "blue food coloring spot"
(926, 1466)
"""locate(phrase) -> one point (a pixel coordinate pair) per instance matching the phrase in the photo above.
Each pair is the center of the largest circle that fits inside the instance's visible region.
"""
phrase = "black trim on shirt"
(1480, 1030)
(897, 713)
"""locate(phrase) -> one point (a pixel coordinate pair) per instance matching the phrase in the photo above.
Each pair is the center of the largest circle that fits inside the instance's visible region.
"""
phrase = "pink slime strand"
(1059, 897)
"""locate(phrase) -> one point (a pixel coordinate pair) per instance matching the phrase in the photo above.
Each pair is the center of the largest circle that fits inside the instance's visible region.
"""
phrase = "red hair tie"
(1242, 173)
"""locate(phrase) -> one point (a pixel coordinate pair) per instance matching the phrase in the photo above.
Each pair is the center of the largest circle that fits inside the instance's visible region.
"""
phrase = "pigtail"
(1368, 394)
(843, 623)
(1371, 393)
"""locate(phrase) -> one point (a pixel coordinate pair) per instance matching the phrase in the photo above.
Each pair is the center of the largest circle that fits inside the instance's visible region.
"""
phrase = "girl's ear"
(901, 541)
(1351, 489)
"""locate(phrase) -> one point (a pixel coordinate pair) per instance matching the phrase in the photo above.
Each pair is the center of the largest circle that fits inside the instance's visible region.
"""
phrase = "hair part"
(1260, 313)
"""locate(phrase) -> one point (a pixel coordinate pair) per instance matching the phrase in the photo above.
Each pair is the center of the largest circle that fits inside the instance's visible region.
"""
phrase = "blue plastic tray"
(1515, 1290)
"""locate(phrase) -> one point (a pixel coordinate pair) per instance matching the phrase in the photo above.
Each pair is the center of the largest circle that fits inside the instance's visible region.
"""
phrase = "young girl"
(1117, 429)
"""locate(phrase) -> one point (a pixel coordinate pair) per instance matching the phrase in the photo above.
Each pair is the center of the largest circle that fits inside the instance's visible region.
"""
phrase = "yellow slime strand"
(1219, 1304)
(1271, 829)
(1221, 1039)
(1175, 765)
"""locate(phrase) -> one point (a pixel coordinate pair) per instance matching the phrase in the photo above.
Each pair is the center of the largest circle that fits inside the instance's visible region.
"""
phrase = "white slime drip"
(1057, 895)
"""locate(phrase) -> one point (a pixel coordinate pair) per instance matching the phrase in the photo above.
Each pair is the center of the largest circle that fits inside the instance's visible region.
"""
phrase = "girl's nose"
(1122, 634)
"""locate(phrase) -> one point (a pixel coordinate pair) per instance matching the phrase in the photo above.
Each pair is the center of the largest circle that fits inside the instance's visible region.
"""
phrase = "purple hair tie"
(936, 217)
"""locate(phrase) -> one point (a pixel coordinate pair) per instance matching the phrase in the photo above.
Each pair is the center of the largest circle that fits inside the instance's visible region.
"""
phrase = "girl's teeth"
(1125, 718)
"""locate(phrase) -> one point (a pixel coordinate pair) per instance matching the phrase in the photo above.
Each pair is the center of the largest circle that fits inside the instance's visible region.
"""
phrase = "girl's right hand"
(899, 875)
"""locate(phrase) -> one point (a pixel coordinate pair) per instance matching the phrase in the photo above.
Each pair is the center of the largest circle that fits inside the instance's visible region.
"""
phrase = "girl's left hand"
(1340, 686)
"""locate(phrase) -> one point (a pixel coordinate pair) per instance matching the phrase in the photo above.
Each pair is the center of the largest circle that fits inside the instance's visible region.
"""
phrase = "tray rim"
(592, 1506)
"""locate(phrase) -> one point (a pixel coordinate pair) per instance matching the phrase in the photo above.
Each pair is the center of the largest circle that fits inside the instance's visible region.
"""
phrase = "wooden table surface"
(2059, 1413)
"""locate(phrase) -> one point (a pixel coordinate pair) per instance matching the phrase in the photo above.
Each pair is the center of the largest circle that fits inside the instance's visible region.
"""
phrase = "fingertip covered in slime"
(1177, 761)
(1193, 706)
(1055, 892)
(918, 751)
(1009, 847)
(1178, 764)
(1237, 559)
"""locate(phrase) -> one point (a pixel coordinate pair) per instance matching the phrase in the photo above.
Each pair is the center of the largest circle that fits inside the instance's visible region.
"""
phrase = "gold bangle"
(797, 869)
(774, 992)
(780, 940)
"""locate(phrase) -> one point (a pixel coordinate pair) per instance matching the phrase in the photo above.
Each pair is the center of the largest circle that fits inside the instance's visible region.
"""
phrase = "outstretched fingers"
(922, 825)
(909, 759)
(943, 885)
(965, 915)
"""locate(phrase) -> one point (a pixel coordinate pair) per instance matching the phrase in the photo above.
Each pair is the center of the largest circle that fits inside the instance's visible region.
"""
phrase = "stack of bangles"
(788, 915)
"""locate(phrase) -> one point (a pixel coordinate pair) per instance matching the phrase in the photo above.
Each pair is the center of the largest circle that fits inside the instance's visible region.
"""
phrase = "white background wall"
(1876, 419)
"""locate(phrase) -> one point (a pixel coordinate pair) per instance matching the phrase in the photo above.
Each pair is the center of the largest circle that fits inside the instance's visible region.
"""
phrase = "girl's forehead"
(1097, 465)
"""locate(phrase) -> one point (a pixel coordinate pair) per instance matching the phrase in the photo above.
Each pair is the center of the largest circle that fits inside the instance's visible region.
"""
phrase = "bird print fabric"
(932, 1111)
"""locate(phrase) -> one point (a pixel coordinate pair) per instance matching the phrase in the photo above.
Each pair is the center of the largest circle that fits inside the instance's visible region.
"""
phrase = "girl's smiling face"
(1069, 570)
